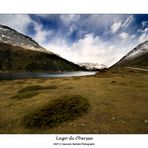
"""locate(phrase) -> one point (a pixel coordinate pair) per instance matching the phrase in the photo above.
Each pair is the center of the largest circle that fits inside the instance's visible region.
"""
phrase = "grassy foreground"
(111, 102)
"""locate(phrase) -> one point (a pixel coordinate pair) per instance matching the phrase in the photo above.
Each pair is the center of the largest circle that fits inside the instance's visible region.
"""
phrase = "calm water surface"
(25, 75)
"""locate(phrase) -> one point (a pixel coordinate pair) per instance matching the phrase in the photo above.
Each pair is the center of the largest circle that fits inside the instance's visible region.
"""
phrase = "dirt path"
(142, 69)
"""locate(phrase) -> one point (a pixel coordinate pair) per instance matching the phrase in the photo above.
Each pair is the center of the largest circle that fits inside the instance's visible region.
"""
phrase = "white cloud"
(41, 35)
(18, 22)
(102, 21)
(45, 16)
(128, 21)
(91, 49)
(116, 26)
(121, 23)
(145, 24)
(72, 28)
(143, 30)
(124, 35)
(69, 19)
(144, 35)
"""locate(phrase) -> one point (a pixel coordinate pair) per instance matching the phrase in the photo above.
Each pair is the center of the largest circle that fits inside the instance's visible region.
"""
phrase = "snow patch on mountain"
(138, 51)
(92, 66)
(11, 36)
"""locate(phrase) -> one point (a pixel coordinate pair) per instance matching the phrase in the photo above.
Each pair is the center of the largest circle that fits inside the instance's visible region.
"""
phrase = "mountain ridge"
(137, 56)
(20, 53)
(11, 36)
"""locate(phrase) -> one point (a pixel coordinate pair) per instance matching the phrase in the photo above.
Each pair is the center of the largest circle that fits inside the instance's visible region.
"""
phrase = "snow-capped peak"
(11, 36)
(92, 66)
(138, 51)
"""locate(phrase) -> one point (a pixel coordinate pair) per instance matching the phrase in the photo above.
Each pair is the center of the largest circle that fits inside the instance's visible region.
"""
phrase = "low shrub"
(57, 111)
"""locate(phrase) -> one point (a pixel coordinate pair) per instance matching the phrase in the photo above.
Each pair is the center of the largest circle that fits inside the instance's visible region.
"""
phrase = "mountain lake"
(27, 75)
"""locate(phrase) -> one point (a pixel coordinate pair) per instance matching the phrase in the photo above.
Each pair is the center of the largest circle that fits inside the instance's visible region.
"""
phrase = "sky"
(93, 38)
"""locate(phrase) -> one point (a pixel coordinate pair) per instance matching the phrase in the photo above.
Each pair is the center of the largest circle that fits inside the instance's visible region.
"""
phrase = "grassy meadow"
(111, 102)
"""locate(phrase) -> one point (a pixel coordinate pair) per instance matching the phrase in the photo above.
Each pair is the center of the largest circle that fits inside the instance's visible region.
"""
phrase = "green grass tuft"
(36, 87)
(24, 95)
(31, 91)
(57, 111)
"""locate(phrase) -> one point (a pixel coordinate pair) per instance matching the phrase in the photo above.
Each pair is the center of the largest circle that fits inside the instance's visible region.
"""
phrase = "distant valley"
(92, 66)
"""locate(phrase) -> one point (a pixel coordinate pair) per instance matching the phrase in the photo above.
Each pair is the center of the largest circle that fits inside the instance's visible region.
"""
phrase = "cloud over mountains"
(102, 39)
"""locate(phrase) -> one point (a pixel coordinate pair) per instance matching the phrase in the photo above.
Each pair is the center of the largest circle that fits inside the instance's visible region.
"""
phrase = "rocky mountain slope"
(21, 53)
(11, 36)
(136, 57)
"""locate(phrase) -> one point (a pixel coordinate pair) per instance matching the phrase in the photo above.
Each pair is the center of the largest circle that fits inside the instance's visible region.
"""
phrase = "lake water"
(27, 75)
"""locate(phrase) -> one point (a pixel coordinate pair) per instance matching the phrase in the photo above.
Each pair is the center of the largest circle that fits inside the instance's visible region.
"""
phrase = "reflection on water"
(25, 75)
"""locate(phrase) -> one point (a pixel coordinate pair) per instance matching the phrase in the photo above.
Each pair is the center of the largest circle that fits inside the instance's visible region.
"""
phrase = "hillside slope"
(21, 53)
(16, 59)
(12, 37)
(136, 57)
